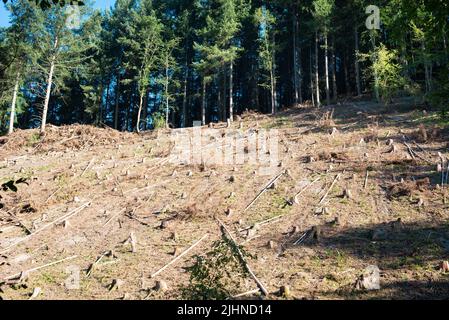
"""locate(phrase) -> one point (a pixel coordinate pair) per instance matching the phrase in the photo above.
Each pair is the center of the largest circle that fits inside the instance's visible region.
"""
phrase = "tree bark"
(295, 60)
(49, 84)
(231, 93)
(184, 98)
(117, 99)
(326, 66)
(356, 63)
(106, 106)
(312, 94)
(167, 111)
(334, 72)
(317, 76)
(139, 112)
(203, 104)
(13, 104)
(100, 104)
(273, 79)
(427, 68)
(347, 83)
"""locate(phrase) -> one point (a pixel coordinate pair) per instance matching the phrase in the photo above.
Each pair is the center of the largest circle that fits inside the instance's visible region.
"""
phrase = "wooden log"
(39, 268)
(272, 181)
(304, 189)
(330, 188)
(180, 256)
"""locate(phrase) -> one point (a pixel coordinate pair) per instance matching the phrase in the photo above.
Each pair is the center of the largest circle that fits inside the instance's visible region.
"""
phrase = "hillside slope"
(371, 189)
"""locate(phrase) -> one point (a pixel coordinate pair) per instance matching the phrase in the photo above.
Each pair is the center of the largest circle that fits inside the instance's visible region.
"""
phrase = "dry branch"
(113, 217)
(264, 190)
(88, 165)
(60, 219)
(365, 185)
(330, 188)
(304, 189)
(180, 256)
(14, 276)
(247, 293)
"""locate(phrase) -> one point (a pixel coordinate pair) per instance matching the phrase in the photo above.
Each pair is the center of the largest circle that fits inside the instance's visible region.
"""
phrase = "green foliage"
(46, 4)
(265, 21)
(142, 43)
(322, 10)
(217, 274)
(386, 71)
(158, 121)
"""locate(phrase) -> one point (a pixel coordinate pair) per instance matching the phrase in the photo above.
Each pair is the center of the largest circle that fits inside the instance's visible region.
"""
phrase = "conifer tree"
(265, 21)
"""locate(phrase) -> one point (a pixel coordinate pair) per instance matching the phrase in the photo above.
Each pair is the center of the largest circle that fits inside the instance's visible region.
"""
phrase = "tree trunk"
(326, 66)
(317, 76)
(295, 60)
(49, 84)
(117, 99)
(312, 94)
(300, 76)
(273, 79)
(139, 111)
(225, 111)
(203, 104)
(334, 72)
(376, 78)
(427, 68)
(167, 111)
(100, 104)
(13, 104)
(184, 98)
(347, 84)
(106, 106)
(356, 62)
(231, 93)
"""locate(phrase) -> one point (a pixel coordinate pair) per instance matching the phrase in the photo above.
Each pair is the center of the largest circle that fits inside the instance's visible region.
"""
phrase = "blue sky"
(100, 4)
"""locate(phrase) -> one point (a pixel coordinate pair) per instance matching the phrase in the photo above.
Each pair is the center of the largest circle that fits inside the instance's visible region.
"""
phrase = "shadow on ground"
(413, 250)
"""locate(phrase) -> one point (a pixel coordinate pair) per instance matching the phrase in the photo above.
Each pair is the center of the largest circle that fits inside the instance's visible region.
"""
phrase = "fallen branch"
(114, 216)
(92, 266)
(51, 196)
(247, 293)
(60, 219)
(330, 188)
(179, 257)
(14, 276)
(366, 180)
(410, 151)
(260, 285)
(264, 190)
(88, 165)
(304, 189)
(414, 154)
(257, 224)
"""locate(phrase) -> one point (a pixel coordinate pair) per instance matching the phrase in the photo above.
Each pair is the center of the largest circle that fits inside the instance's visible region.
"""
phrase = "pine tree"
(20, 42)
(322, 14)
(265, 21)
(60, 51)
(142, 45)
